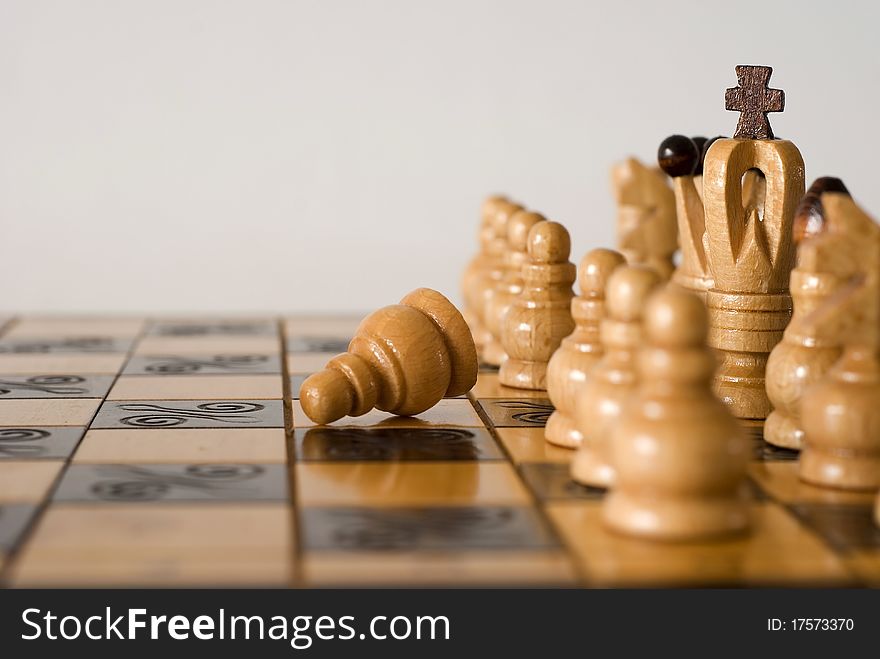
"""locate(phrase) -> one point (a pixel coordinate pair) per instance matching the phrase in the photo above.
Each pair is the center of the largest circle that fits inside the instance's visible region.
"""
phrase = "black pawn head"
(678, 156)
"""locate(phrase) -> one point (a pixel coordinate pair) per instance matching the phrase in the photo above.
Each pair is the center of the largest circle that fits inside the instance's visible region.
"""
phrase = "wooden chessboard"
(173, 452)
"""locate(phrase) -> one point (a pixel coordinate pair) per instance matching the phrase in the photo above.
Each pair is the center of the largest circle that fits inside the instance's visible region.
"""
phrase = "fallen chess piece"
(403, 359)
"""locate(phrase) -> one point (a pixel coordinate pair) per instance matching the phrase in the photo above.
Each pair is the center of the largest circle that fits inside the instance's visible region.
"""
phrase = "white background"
(291, 156)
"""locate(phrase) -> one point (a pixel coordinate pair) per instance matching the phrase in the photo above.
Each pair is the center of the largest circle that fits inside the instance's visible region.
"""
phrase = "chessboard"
(174, 452)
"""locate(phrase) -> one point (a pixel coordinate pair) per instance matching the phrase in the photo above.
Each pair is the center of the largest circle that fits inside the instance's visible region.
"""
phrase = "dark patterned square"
(426, 529)
(553, 481)
(190, 414)
(376, 444)
(85, 344)
(136, 483)
(14, 520)
(38, 443)
(213, 328)
(231, 364)
(843, 527)
(517, 412)
(55, 386)
(331, 344)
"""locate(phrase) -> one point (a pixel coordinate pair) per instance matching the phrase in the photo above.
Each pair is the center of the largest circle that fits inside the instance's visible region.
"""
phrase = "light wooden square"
(159, 545)
(409, 484)
(183, 446)
(23, 481)
(48, 412)
(866, 564)
(777, 551)
(308, 362)
(62, 327)
(529, 445)
(200, 345)
(61, 364)
(488, 386)
(203, 387)
(781, 481)
(342, 327)
(470, 568)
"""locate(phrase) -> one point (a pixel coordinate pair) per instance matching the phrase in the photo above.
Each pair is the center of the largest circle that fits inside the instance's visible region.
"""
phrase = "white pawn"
(614, 378)
(540, 317)
(580, 351)
(680, 456)
(496, 268)
(511, 285)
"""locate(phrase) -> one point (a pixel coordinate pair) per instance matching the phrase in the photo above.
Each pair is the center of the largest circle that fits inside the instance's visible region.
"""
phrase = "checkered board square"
(174, 452)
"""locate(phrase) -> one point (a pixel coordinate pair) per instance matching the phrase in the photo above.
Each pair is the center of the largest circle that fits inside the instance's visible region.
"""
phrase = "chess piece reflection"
(579, 352)
(403, 359)
(647, 233)
(679, 456)
(840, 414)
(801, 359)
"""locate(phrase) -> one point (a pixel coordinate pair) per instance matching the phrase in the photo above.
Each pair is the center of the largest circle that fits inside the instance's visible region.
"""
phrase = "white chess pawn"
(540, 317)
(680, 457)
(580, 351)
(613, 379)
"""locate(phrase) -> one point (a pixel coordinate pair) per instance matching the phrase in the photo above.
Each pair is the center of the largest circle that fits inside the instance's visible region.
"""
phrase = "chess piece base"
(740, 384)
(522, 374)
(493, 353)
(783, 431)
(842, 472)
(676, 520)
(562, 431)
(588, 468)
(841, 417)
(793, 367)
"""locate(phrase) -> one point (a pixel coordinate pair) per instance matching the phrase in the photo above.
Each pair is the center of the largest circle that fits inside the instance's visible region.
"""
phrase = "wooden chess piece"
(403, 359)
(540, 317)
(750, 251)
(497, 249)
(511, 285)
(579, 352)
(682, 159)
(613, 380)
(473, 279)
(647, 232)
(801, 359)
(679, 455)
(840, 414)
